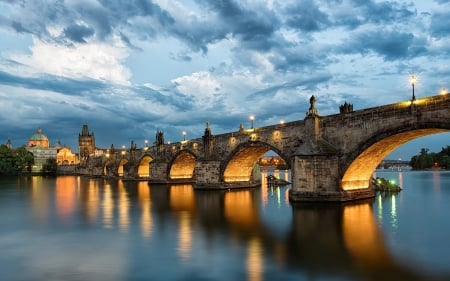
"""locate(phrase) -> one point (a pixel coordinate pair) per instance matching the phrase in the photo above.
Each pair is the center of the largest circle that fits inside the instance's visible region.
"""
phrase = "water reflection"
(124, 218)
(145, 204)
(230, 230)
(108, 206)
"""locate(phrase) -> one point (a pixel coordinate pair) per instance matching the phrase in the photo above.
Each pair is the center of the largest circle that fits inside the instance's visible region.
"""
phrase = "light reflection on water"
(73, 228)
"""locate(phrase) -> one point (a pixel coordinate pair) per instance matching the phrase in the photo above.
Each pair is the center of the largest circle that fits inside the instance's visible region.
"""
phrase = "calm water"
(75, 228)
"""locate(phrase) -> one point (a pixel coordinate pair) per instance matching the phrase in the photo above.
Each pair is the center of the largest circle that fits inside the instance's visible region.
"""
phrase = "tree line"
(20, 161)
(427, 160)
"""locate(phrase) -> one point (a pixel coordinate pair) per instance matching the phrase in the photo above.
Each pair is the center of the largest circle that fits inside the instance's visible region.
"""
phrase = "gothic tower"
(86, 143)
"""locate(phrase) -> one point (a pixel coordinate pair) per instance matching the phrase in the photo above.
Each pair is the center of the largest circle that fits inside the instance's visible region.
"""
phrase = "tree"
(50, 166)
(24, 159)
(424, 160)
(7, 161)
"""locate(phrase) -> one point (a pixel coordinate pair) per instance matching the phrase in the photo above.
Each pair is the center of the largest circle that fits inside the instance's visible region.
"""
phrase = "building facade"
(39, 145)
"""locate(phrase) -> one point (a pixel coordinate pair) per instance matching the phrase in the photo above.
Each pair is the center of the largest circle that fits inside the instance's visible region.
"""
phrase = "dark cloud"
(18, 27)
(52, 83)
(439, 26)
(78, 33)
(307, 84)
(254, 27)
(391, 45)
(369, 11)
(306, 16)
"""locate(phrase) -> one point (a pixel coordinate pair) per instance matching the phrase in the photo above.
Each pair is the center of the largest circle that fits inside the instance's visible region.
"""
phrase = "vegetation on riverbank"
(429, 160)
(15, 161)
(382, 184)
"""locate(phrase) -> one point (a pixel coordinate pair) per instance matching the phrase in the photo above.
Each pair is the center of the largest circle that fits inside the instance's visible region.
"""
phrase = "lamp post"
(184, 135)
(413, 81)
(252, 117)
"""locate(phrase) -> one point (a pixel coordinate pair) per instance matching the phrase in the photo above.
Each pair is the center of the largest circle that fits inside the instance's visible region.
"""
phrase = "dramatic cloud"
(130, 67)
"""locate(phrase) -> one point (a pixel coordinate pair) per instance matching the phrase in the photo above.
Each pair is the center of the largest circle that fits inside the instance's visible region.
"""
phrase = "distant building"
(38, 139)
(86, 143)
(9, 144)
(65, 155)
(39, 145)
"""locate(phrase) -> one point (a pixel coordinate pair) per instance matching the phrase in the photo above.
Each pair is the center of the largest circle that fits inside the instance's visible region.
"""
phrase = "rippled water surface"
(76, 228)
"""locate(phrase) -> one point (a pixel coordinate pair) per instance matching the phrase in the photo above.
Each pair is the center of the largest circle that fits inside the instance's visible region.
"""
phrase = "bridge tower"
(86, 143)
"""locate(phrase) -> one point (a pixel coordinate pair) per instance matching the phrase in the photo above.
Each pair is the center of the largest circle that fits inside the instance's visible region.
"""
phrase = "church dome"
(38, 139)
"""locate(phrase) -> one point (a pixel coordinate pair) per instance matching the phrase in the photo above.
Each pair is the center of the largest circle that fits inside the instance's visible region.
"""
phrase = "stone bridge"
(331, 158)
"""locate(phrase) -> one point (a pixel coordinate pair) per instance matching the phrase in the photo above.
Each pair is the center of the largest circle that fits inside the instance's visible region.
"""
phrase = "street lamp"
(252, 117)
(146, 144)
(413, 81)
(184, 135)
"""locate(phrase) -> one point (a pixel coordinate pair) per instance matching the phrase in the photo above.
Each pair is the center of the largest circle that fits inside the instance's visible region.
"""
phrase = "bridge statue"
(331, 158)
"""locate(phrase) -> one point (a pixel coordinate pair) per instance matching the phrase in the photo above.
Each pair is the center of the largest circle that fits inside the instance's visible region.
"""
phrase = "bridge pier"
(207, 173)
(158, 171)
(315, 178)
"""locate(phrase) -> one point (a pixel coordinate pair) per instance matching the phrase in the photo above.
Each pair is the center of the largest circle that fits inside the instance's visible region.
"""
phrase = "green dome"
(38, 136)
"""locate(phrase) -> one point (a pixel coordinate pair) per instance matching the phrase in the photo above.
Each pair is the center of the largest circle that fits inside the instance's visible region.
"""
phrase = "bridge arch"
(182, 165)
(120, 167)
(105, 167)
(240, 163)
(143, 167)
(361, 164)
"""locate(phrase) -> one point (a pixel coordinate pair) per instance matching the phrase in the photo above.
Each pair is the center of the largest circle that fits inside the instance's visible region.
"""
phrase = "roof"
(38, 136)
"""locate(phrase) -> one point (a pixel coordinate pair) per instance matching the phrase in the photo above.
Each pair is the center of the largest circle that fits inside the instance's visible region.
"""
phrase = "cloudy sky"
(128, 68)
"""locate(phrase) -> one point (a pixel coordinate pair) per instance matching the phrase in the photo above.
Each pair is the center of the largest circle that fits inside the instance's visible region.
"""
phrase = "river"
(78, 228)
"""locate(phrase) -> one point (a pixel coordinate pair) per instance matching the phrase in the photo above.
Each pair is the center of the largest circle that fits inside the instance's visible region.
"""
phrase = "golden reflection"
(362, 237)
(124, 203)
(145, 203)
(185, 237)
(182, 197)
(264, 193)
(240, 210)
(255, 260)
(108, 207)
(39, 198)
(92, 200)
(66, 196)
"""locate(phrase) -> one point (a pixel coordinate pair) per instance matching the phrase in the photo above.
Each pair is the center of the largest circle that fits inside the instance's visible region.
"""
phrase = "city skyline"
(128, 69)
